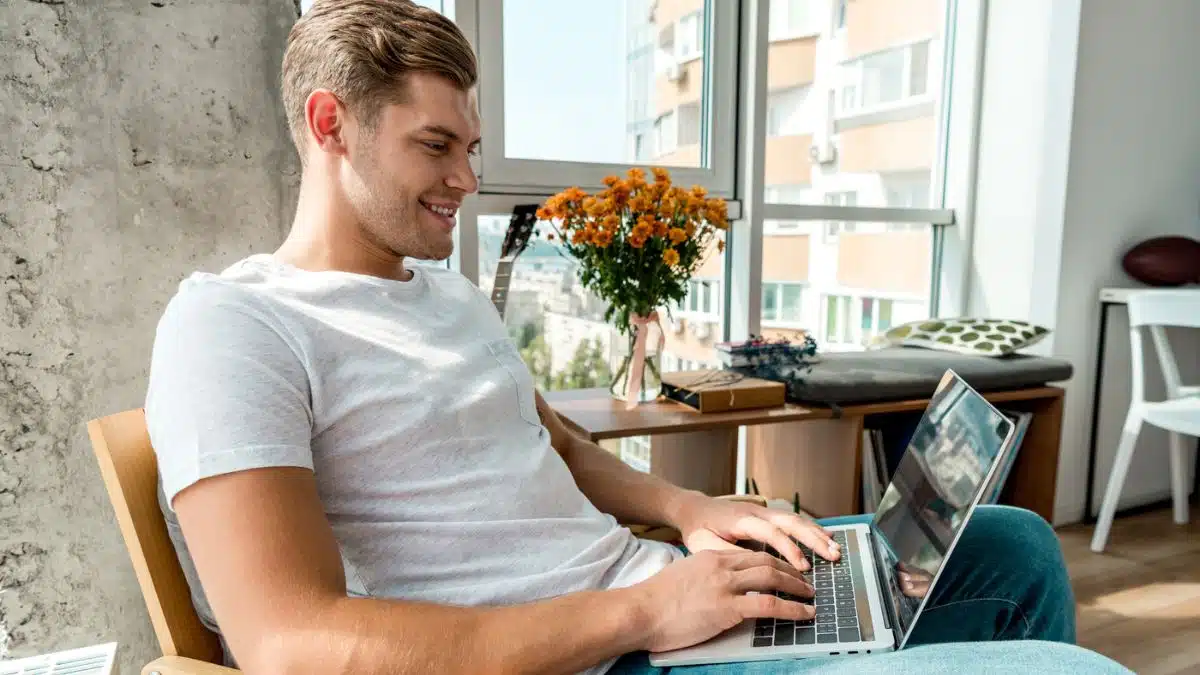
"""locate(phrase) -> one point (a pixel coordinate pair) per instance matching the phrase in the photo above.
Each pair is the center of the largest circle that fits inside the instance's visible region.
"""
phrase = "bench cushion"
(899, 373)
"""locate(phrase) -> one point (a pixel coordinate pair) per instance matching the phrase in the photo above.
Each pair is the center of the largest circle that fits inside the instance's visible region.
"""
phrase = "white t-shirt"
(413, 408)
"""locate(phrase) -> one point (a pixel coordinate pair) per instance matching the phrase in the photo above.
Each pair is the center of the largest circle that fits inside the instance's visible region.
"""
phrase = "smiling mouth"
(444, 213)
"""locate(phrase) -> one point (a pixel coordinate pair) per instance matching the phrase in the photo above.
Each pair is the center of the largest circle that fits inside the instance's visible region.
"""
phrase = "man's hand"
(705, 594)
(715, 524)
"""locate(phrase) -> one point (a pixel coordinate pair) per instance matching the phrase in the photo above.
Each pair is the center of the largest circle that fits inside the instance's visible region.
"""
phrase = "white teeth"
(440, 210)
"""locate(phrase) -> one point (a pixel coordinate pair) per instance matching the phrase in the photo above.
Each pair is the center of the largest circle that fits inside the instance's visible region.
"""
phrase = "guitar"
(516, 240)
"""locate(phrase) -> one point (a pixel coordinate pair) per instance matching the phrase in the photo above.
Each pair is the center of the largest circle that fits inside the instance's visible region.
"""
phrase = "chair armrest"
(179, 665)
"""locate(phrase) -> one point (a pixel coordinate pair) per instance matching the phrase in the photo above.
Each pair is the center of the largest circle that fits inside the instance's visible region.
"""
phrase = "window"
(876, 318)
(558, 327)
(782, 302)
(635, 451)
(704, 297)
(689, 124)
(792, 18)
(666, 134)
(570, 101)
(785, 112)
(885, 77)
(839, 15)
(837, 319)
(835, 227)
(687, 38)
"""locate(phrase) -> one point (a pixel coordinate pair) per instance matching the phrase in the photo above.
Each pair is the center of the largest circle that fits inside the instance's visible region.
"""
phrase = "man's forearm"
(631, 496)
(353, 635)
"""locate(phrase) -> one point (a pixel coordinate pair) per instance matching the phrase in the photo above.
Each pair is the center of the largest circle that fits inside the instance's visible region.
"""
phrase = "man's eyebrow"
(445, 132)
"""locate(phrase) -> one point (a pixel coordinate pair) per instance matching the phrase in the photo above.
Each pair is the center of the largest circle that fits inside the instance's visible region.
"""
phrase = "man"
(357, 471)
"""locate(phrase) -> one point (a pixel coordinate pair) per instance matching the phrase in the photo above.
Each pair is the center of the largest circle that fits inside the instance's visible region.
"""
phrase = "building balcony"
(664, 12)
(791, 63)
(874, 25)
(887, 146)
(785, 257)
(892, 262)
(788, 161)
(683, 87)
(686, 155)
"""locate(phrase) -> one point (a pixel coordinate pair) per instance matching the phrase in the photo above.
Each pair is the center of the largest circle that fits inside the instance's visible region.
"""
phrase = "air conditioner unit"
(701, 329)
(675, 73)
(94, 660)
(822, 152)
(677, 326)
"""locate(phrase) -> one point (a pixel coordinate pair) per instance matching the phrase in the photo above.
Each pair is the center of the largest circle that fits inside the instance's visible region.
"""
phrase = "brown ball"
(1164, 261)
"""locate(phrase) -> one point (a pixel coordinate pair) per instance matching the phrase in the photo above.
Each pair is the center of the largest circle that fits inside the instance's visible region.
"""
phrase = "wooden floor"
(1139, 601)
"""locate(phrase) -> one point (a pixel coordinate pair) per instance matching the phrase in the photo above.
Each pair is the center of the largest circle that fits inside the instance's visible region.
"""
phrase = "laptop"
(871, 598)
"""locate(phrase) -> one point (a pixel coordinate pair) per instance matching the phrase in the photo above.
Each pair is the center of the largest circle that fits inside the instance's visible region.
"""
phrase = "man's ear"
(326, 118)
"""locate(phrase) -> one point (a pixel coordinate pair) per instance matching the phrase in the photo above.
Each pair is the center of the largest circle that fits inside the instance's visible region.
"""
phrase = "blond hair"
(363, 51)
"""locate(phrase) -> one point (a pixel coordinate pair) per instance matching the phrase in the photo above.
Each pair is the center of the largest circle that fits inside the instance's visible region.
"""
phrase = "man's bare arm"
(271, 569)
(631, 496)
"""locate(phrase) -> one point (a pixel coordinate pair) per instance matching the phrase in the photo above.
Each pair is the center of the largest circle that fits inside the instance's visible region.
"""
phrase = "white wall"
(1089, 142)
(1134, 174)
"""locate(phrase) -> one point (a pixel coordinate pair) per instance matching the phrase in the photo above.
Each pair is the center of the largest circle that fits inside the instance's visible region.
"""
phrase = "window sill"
(797, 35)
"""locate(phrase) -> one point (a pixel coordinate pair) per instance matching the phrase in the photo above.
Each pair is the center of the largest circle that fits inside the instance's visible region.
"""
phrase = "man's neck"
(325, 237)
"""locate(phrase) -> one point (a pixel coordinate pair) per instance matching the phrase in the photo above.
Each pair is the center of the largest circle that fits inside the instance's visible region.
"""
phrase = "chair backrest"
(1156, 309)
(130, 472)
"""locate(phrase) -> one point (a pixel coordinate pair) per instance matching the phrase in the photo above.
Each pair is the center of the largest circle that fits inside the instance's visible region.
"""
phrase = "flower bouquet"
(637, 243)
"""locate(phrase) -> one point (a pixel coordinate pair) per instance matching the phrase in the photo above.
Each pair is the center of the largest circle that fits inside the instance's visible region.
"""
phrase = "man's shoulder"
(238, 292)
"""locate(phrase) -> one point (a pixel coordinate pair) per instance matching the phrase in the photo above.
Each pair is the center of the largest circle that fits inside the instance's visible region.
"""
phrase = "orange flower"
(636, 174)
(699, 192)
(661, 175)
(690, 228)
(603, 238)
(589, 203)
(636, 241)
(619, 193)
(716, 213)
(574, 194)
(579, 236)
(660, 228)
(643, 230)
(641, 202)
(543, 213)
(610, 181)
(678, 235)
(671, 257)
(610, 222)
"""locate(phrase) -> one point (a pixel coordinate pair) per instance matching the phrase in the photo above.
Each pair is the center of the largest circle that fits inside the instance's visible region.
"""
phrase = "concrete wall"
(1088, 144)
(142, 140)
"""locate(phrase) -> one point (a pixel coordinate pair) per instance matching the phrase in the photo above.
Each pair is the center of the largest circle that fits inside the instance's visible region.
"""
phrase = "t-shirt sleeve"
(227, 392)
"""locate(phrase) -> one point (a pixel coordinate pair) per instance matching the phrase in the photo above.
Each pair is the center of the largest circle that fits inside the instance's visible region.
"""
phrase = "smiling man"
(356, 469)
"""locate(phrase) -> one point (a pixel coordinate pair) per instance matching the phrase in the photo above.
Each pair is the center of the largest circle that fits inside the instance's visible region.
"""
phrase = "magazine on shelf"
(1021, 420)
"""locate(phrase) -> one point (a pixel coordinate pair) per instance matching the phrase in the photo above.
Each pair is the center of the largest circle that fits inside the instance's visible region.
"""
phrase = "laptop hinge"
(891, 621)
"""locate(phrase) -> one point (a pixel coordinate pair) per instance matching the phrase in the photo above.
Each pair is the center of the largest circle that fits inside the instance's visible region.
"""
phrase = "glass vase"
(622, 385)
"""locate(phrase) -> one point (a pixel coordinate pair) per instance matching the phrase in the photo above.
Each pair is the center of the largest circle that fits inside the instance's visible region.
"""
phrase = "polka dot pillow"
(984, 337)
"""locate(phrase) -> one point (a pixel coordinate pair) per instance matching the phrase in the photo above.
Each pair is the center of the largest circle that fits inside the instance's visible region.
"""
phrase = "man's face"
(407, 177)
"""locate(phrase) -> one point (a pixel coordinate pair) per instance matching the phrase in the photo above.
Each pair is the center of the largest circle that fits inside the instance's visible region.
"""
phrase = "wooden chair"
(130, 472)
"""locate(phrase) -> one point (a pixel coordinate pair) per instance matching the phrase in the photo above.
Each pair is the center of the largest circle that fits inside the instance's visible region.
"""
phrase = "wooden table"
(814, 452)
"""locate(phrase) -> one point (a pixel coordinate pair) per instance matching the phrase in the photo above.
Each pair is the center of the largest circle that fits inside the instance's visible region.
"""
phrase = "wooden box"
(721, 390)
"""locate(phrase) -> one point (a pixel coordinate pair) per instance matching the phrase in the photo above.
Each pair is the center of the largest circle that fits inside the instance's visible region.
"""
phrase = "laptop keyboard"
(836, 619)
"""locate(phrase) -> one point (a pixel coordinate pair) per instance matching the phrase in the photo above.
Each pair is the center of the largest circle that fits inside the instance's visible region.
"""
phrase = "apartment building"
(851, 121)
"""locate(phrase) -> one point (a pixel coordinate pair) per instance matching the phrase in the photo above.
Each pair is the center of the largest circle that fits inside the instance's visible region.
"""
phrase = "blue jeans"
(1002, 605)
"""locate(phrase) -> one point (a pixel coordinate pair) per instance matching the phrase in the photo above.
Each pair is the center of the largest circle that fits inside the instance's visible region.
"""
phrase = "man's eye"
(435, 146)
(474, 151)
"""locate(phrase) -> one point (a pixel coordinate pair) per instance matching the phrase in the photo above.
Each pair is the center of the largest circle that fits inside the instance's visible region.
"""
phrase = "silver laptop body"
(861, 607)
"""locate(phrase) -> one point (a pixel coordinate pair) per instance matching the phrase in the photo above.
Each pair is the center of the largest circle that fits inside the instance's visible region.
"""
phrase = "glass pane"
(790, 303)
(691, 332)
(770, 304)
(557, 325)
(852, 90)
(611, 82)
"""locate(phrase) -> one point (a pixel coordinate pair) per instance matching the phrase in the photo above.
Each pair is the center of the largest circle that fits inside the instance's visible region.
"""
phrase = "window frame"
(500, 174)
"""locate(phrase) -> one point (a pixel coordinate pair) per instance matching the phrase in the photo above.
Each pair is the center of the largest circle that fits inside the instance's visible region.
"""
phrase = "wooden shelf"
(812, 451)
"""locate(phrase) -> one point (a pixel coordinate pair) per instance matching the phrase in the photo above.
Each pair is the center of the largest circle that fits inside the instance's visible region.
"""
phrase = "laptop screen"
(937, 482)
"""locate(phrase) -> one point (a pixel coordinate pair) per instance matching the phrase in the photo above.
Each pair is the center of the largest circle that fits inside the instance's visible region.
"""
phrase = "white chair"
(1179, 413)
